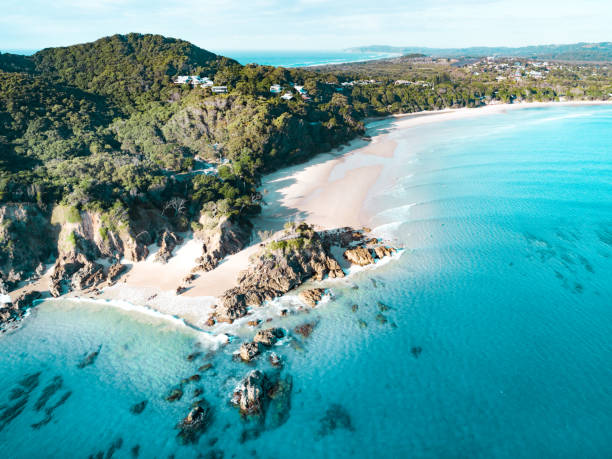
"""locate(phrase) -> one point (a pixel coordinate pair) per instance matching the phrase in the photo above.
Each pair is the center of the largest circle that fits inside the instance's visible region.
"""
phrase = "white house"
(287, 96)
(219, 89)
(276, 89)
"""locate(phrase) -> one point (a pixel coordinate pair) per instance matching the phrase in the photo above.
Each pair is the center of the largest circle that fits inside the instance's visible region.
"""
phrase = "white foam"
(213, 340)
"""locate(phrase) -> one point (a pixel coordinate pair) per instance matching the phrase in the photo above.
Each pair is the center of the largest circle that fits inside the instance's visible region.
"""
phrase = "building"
(276, 89)
(287, 96)
(219, 89)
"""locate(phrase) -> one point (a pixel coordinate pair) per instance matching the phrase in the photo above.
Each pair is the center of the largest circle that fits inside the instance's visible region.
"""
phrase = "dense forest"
(102, 127)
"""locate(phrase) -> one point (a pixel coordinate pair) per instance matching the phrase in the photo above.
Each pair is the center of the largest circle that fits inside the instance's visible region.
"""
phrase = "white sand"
(329, 191)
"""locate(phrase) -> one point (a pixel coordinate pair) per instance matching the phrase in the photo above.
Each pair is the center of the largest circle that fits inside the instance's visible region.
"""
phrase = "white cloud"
(309, 24)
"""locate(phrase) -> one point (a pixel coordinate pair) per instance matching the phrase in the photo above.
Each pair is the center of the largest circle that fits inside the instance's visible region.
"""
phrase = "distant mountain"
(588, 52)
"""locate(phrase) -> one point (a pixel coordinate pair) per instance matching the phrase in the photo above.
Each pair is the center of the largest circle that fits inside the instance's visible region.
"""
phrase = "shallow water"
(492, 339)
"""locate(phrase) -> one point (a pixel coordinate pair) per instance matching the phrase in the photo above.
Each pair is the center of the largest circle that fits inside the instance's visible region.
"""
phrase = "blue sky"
(308, 24)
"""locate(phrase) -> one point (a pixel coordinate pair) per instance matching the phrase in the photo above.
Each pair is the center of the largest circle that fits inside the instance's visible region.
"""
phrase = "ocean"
(278, 58)
(300, 58)
(488, 336)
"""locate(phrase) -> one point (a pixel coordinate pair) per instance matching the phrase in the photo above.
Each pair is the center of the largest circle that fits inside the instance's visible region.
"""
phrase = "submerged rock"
(416, 351)
(279, 406)
(194, 355)
(381, 318)
(196, 422)
(305, 329)
(139, 407)
(269, 336)
(89, 359)
(312, 296)
(56, 384)
(336, 417)
(174, 395)
(205, 367)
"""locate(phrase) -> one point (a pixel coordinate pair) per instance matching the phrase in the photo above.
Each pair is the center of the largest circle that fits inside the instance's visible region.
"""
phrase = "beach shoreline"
(329, 191)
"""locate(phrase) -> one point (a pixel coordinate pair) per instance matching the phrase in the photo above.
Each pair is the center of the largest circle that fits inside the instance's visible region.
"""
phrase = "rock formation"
(312, 296)
(167, 241)
(11, 312)
(195, 423)
(269, 336)
(360, 256)
(249, 394)
(248, 351)
(286, 263)
(225, 238)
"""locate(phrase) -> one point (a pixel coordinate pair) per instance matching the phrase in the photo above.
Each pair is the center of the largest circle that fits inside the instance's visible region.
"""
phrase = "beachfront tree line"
(102, 125)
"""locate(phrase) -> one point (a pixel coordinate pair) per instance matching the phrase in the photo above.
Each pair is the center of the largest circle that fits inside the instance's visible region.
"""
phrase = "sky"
(307, 24)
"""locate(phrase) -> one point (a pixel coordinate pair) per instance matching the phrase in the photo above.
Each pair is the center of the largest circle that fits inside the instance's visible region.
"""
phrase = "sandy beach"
(330, 191)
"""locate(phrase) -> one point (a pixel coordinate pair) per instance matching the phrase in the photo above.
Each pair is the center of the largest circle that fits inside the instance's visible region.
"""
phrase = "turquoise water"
(496, 341)
(278, 58)
(300, 58)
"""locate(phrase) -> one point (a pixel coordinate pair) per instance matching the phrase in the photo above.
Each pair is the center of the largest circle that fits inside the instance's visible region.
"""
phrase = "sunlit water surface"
(496, 341)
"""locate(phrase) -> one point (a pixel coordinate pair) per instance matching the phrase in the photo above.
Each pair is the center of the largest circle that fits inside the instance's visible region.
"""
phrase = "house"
(305, 97)
(276, 89)
(287, 96)
(300, 89)
(181, 79)
(219, 89)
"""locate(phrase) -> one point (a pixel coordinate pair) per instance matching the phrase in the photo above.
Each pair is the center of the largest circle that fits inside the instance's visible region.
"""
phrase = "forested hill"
(578, 52)
(101, 132)
(129, 68)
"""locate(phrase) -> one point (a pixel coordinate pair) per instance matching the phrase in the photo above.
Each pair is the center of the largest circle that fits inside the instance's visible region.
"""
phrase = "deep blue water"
(496, 343)
(299, 58)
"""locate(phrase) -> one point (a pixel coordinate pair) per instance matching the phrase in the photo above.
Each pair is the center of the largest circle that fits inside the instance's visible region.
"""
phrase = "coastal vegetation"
(103, 130)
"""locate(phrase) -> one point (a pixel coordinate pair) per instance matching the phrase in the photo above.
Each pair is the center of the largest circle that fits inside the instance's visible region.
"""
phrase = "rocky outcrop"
(90, 274)
(12, 312)
(360, 256)
(114, 271)
(27, 240)
(225, 238)
(75, 271)
(249, 394)
(269, 336)
(167, 241)
(383, 251)
(248, 351)
(195, 423)
(282, 266)
(312, 296)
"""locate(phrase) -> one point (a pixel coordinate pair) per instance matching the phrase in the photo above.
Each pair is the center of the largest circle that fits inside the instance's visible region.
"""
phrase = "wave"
(214, 340)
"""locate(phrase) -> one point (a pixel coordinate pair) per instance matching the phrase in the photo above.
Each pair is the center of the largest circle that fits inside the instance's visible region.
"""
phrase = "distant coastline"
(314, 58)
